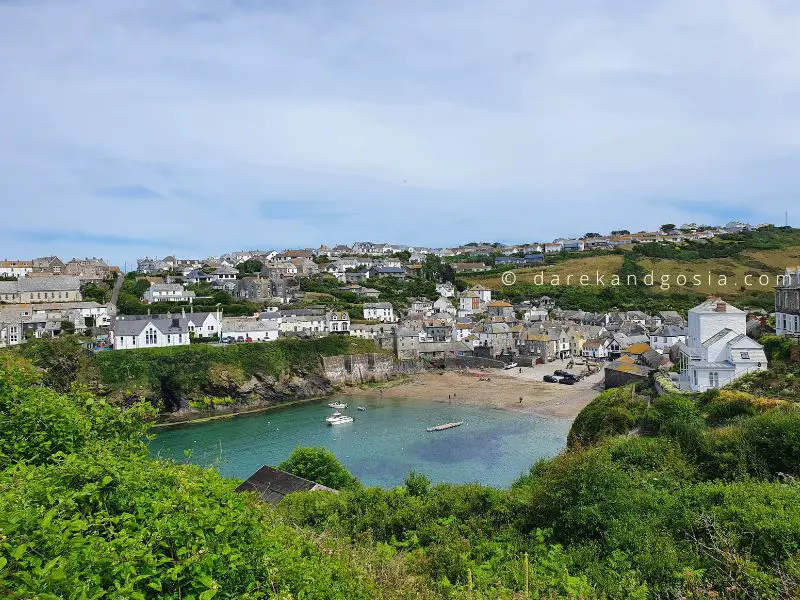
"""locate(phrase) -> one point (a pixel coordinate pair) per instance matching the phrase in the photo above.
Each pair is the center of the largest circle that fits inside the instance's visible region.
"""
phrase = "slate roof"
(135, 324)
(273, 485)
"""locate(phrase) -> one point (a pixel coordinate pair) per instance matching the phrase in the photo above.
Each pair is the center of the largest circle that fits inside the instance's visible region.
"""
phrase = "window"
(745, 355)
(713, 379)
(695, 376)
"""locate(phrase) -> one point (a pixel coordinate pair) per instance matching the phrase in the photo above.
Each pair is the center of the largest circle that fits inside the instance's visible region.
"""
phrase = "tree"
(592, 235)
(319, 465)
(620, 232)
(417, 484)
(668, 227)
(250, 266)
(432, 268)
(67, 327)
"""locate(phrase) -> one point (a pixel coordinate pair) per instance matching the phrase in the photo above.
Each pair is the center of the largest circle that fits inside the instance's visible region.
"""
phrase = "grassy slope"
(752, 262)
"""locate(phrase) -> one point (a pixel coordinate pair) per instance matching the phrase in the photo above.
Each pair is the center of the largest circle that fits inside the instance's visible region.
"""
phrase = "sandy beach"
(503, 391)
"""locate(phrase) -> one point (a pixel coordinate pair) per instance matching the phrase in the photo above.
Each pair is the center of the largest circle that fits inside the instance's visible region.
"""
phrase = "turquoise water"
(381, 446)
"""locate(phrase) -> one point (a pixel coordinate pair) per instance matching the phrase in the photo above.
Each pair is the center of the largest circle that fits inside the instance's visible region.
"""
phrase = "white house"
(15, 268)
(666, 336)
(596, 348)
(446, 289)
(337, 322)
(129, 332)
(717, 350)
(204, 324)
(379, 311)
(167, 292)
(443, 305)
(249, 329)
(553, 247)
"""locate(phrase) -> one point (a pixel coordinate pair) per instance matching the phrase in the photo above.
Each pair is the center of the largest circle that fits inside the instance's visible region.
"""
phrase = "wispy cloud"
(80, 237)
(530, 120)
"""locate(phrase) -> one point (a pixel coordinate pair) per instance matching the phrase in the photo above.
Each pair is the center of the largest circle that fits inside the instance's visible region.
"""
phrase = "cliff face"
(226, 391)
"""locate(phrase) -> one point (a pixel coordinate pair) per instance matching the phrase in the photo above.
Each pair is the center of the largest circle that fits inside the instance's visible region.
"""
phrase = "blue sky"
(194, 127)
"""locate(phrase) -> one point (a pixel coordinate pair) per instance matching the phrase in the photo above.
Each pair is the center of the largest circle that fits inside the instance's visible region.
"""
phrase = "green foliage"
(614, 412)
(249, 267)
(318, 465)
(85, 513)
(777, 347)
(98, 293)
(62, 360)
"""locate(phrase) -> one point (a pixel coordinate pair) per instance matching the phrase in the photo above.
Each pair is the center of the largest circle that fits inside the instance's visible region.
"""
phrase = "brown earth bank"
(503, 390)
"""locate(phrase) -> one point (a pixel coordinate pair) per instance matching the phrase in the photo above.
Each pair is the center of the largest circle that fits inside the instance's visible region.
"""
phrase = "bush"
(613, 412)
(318, 465)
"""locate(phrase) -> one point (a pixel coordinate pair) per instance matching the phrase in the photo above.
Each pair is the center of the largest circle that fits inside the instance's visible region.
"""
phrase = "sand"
(503, 391)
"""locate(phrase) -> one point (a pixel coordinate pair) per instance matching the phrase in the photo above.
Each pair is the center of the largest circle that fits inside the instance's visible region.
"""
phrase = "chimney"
(720, 307)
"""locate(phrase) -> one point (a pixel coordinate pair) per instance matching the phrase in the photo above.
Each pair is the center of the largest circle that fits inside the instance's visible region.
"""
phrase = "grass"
(574, 267)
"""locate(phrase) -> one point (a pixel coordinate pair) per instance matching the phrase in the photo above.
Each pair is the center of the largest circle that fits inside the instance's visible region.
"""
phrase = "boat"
(337, 405)
(338, 420)
(445, 426)
(511, 366)
(361, 407)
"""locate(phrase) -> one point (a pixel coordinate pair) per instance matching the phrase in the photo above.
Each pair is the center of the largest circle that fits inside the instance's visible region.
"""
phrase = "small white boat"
(511, 366)
(338, 420)
(361, 407)
(445, 426)
(337, 405)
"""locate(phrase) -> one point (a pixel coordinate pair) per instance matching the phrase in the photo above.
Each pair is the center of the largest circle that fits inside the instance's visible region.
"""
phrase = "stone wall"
(357, 368)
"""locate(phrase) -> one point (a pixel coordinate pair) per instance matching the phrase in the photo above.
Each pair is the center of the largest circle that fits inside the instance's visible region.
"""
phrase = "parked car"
(550, 379)
(240, 338)
(248, 339)
(567, 381)
(228, 339)
(572, 376)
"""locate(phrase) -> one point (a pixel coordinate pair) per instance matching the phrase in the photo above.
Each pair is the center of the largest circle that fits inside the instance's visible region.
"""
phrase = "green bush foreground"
(708, 508)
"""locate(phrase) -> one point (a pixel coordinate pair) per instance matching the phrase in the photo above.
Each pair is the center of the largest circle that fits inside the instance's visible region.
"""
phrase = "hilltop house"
(337, 322)
(717, 350)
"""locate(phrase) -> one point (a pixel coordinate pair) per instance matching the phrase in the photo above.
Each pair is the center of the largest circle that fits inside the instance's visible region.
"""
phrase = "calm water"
(384, 443)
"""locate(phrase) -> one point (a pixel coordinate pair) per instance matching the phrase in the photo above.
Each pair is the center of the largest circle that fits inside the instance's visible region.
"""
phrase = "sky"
(196, 127)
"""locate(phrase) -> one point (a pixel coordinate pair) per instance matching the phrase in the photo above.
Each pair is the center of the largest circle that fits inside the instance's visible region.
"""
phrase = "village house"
(446, 289)
(596, 349)
(248, 329)
(167, 292)
(130, 332)
(15, 268)
(717, 350)
(396, 272)
(666, 336)
(496, 336)
(88, 269)
(260, 289)
(553, 247)
(337, 322)
(305, 266)
(787, 304)
(44, 288)
(421, 306)
(470, 267)
(279, 269)
(443, 305)
(379, 311)
(499, 308)
(51, 265)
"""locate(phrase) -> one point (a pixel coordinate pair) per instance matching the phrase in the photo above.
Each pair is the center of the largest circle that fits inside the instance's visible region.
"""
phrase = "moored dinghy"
(445, 426)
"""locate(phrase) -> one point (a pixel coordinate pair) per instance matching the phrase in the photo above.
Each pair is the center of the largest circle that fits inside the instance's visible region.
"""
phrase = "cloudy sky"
(133, 127)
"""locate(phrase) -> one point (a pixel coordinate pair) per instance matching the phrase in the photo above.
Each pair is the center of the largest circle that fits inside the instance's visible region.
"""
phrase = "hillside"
(729, 266)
